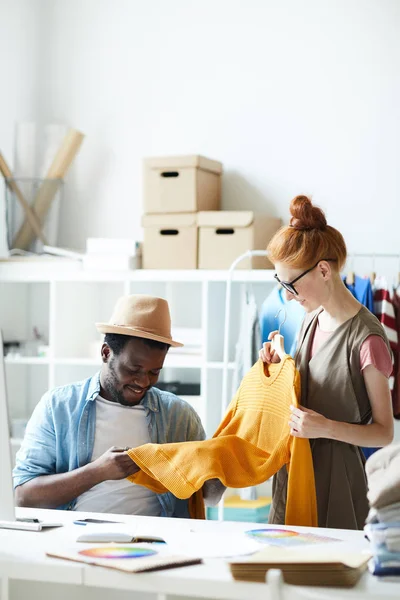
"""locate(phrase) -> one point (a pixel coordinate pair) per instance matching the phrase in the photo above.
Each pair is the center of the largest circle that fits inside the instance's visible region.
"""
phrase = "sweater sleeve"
(183, 468)
(301, 482)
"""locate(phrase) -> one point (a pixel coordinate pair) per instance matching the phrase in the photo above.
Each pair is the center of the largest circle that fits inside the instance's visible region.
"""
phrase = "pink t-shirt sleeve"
(374, 351)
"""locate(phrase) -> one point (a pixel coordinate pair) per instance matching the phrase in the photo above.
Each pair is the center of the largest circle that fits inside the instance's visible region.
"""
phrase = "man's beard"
(110, 386)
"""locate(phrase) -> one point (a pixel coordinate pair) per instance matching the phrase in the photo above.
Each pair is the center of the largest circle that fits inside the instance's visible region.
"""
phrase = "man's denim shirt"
(60, 434)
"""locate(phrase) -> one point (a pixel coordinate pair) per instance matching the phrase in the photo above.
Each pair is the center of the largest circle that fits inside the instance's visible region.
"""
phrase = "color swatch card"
(287, 537)
(130, 558)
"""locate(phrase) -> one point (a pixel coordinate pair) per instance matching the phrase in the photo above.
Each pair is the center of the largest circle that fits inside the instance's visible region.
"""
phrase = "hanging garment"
(384, 311)
(270, 319)
(396, 390)
(252, 443)
(249, 342)
(333, 386)
(362, 291)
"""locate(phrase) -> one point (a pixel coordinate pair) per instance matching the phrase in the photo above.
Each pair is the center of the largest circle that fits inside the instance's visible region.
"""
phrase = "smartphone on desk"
(88, 521)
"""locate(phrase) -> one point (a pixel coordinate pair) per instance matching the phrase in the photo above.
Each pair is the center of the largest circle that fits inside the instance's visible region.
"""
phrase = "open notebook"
(129, 558)
(334, 568)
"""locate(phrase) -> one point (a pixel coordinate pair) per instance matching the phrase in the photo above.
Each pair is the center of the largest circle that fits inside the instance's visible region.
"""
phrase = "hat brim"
(107, 328)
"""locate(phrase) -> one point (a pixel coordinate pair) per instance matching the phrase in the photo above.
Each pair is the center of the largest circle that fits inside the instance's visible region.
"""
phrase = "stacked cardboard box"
(184, 227)
(225, 235)
(175, 189)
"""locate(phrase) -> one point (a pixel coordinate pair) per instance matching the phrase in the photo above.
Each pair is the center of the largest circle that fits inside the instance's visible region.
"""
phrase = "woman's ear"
(325, 269)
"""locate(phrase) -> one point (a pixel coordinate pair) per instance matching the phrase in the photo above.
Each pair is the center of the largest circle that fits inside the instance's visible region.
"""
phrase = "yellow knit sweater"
(250, 445)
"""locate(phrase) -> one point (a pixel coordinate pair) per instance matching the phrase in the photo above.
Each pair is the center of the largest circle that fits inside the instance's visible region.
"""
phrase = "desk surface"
(22, 557)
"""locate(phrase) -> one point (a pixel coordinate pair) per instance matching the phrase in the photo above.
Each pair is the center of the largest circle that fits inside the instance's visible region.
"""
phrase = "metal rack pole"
(224, 395)
(371, 255)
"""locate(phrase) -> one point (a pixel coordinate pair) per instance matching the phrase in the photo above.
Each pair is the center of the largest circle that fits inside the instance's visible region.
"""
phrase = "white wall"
(293, 97)
(19, 32)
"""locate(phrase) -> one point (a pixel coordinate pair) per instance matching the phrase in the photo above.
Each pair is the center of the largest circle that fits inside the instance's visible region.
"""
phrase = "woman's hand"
(266, 353)
(306, 423)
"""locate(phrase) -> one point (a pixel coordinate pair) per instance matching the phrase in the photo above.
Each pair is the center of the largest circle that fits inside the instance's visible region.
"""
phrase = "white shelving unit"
(62, 301)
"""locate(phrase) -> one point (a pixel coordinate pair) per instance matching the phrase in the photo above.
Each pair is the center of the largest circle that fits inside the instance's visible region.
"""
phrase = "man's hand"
(115, 463)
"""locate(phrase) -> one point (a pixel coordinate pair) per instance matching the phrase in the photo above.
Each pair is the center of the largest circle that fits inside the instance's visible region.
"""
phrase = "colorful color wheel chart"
(117, 552)
(286, 537)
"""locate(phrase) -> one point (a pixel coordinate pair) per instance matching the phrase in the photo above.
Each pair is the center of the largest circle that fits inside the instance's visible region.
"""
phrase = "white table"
(26, 571)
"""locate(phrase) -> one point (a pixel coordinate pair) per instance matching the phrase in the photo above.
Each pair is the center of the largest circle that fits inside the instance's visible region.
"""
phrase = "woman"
(344, 360)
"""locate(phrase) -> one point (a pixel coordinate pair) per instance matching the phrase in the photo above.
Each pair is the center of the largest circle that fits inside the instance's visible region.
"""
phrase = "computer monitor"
(7, 511)
(8, 518)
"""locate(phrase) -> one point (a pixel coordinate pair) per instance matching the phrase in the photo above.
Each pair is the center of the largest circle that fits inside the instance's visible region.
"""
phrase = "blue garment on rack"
(362, 290)
(270, 320)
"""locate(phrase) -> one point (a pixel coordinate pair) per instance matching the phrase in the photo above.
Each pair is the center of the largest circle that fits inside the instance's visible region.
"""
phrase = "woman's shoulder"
(365, 323)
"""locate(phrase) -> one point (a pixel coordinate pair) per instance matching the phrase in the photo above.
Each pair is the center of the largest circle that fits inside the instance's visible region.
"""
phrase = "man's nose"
(142, 379)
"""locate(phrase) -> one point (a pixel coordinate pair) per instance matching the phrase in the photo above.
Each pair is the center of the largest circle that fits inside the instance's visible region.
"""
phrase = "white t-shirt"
(121, 426)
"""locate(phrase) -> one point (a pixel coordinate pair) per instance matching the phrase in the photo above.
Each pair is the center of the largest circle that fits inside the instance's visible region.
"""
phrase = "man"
(74, 454)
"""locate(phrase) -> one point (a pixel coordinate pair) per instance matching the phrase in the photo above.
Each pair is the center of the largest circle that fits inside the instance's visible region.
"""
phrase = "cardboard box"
(225, 235)
(170, 241)
(181, 184)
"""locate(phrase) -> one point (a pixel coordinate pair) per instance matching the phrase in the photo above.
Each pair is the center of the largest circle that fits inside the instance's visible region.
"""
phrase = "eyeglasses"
(288, 285)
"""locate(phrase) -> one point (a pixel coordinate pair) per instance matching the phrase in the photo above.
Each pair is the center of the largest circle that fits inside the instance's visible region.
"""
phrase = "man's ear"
(105, 353)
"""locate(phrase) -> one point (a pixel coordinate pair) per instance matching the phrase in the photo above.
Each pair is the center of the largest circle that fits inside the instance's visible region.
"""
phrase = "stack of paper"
(112, 254)
(336, 568)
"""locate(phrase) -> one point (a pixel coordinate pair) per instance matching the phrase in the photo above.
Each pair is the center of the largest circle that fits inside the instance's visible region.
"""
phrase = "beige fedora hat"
(141, 316)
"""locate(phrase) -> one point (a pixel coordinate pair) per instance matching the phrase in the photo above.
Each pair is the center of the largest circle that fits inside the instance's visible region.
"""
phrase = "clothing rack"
(224, 398)
(350, 263)
(372, 255)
